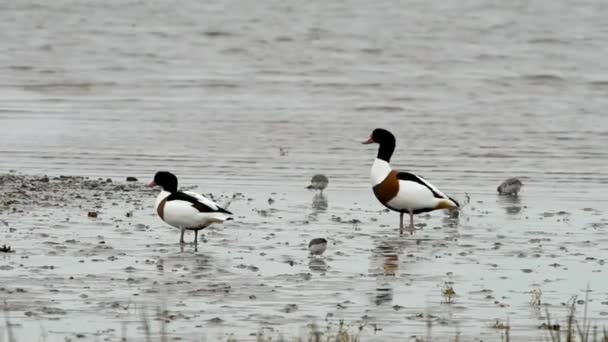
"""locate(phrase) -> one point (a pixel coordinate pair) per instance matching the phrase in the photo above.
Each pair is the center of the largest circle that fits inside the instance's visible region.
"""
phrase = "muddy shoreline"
(254, 99)
(76, 276)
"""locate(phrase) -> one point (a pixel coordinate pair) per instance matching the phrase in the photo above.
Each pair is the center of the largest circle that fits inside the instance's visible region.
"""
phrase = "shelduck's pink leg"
(181, 238)
(411, 228)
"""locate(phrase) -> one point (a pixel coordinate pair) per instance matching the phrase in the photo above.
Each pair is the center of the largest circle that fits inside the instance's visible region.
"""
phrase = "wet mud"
(70, 274)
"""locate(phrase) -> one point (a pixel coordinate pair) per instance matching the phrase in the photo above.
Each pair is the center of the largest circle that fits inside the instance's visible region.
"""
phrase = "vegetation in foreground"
(576, 329)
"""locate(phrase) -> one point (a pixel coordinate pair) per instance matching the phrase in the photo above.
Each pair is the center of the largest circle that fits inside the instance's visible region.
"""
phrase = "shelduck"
(185, 210)
(403, 192)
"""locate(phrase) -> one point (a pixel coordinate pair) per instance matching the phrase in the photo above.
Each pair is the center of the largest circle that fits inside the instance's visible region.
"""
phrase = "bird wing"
(198, 201)
(418, 179)
(406, 176)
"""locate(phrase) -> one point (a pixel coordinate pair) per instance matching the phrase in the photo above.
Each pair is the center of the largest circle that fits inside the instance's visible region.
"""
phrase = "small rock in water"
(510, 186)
(92, 214)
(131, 179)
(317, 246)
(555, 327)
(289, 308)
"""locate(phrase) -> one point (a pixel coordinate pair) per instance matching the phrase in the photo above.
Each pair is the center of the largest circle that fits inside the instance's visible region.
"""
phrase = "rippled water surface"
(255, 98)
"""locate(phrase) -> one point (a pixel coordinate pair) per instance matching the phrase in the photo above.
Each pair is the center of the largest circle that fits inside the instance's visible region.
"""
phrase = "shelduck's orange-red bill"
(151, 184)
(369, 141)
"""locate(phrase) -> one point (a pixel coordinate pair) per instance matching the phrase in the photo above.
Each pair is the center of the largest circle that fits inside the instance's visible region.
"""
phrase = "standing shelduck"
(185, 210)
(402, 191)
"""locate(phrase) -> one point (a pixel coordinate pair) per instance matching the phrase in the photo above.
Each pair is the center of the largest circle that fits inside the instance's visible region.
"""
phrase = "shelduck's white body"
(413, 196)
(181, 214)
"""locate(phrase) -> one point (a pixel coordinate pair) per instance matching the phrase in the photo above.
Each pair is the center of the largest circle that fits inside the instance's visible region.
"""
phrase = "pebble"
(289, 308)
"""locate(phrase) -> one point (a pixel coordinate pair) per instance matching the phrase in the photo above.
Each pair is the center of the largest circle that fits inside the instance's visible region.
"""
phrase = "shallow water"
(255, 99)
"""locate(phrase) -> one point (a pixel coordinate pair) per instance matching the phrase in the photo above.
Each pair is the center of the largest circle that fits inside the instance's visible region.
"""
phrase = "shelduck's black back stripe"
(406, 176)
(222, 210)
(453, 200)
(201, 207)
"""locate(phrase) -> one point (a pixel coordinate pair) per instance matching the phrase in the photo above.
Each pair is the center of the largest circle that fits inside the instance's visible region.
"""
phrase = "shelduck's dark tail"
(455, 202)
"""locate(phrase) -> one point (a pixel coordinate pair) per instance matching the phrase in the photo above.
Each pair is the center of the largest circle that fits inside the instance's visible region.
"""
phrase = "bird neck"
(170, 187)
(161, 196)
(380, 169)
(385, 151)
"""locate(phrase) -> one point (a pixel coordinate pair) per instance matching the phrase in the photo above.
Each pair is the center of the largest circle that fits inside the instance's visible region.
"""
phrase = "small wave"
(114, 68)
(543, 78)
(221, 84)
(487, 56)
(217, 34)
(568, 138)
(67, 85)
(234, 51)
(342, 85)
(373, 108)
(501, 81)
(406, 99)
(283, 39)
(547, 41)
(159, 34)
(489, 155)
(371, 51)
(599, 84)
(21, 67)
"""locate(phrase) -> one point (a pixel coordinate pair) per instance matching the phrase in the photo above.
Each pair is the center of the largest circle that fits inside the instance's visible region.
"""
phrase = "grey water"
(255, 98)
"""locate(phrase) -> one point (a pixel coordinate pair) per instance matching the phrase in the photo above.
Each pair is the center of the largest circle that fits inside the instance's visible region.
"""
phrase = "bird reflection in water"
(317, 265)
(385, 263)
(202, 263)
(511, 203)
(319, 203)
(198, 264)
(384, 294)
(451, 219)
(387, 254)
